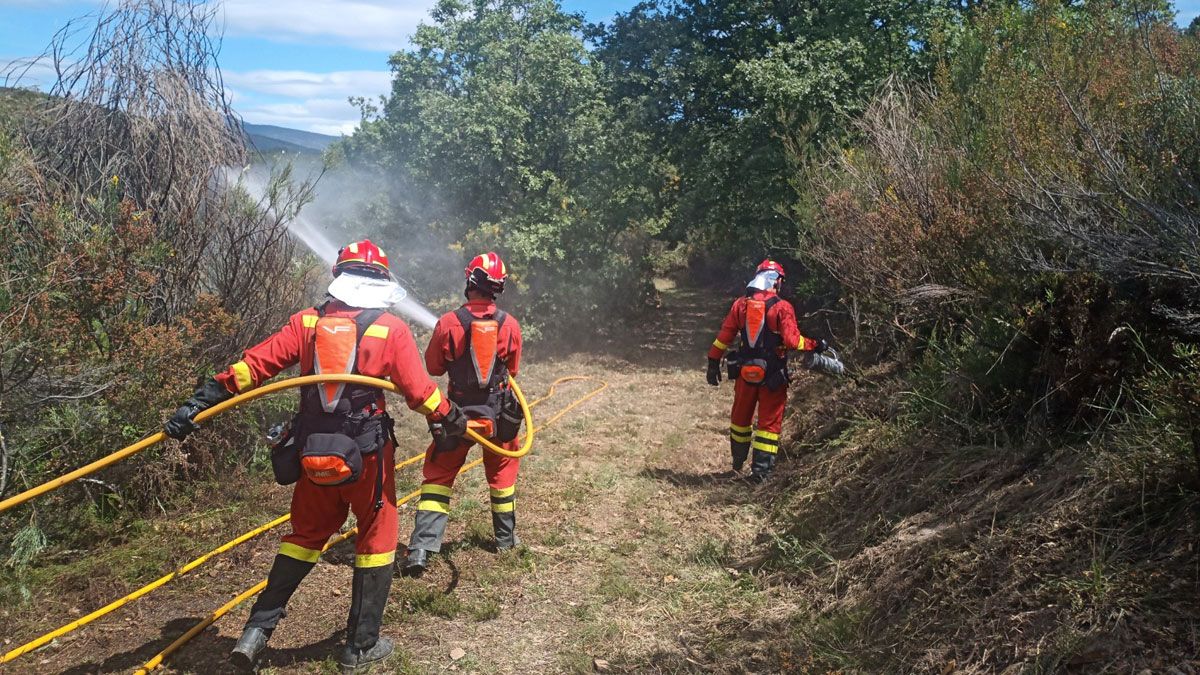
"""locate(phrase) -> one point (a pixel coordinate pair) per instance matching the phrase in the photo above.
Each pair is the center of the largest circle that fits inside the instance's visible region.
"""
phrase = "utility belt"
(328, 448)
(757, 369)
(494, 412)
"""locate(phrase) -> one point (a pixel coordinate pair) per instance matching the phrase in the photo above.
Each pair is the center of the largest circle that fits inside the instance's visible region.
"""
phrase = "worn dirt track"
(628, 524)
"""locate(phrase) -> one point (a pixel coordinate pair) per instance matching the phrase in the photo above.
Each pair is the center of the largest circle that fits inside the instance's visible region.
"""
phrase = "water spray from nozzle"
(314, 237)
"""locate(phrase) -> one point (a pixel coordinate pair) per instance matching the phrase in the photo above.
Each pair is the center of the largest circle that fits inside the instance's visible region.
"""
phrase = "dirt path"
(630, 535)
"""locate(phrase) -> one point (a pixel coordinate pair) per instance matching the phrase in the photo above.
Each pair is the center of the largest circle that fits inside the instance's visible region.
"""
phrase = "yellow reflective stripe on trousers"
(504, 499)
(299, 552)
(433, 505)
(739, 433)
(374, 559)
(242, 377)
(720, 345)
(435, 498)
(431, 404)
(767, 441)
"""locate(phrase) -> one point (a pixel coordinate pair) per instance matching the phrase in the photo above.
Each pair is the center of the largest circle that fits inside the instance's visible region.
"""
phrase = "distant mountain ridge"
(270, 138)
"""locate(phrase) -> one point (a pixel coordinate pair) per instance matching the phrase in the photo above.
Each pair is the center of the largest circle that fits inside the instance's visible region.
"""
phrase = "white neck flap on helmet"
(764, 281)
(366, 292)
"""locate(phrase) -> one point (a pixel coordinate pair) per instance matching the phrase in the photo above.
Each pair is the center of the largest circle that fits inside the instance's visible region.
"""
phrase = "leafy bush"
(1011, 222)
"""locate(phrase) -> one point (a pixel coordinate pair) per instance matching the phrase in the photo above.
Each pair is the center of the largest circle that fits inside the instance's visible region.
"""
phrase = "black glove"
(714, 372)
(448, 431)
(208, 395)
(821, 346)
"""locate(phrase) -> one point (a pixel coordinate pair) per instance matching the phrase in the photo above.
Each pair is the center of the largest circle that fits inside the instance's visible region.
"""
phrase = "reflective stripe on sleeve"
(309, 320)
(374, 559)
(431, 404)
(242, 377)
(299, 552)
(720, 345)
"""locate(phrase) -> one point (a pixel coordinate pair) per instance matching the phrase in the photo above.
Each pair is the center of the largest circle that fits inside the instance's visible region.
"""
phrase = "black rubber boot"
(761, 466)
(739, 450)
(505, 525)
(415, 563)
(364, 646)
(286, 574)
(245, 653)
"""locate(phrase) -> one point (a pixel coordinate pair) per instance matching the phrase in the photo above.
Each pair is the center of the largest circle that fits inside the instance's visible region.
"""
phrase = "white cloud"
(378, 25)
(303, 84)
(36, 72)
(322, 115)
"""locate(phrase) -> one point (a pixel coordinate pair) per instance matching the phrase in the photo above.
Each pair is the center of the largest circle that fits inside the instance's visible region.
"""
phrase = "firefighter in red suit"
(479, 346)
(766, 325)
(382, 347)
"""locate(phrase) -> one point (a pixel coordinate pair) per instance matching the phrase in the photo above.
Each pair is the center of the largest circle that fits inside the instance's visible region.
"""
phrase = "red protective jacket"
(781, 319)
(449, 341)
(387, 351)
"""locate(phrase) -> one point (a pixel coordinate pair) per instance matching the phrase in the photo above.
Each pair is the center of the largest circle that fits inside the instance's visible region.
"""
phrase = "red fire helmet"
(487, 272)
(362, 257)
(769, 265)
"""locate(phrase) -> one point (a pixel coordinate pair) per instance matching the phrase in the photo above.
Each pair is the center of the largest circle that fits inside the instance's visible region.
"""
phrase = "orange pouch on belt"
(754, 371)
(482, 426)
(331, 459)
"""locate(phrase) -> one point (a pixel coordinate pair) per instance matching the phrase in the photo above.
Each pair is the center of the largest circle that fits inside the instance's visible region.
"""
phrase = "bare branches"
(141, 104)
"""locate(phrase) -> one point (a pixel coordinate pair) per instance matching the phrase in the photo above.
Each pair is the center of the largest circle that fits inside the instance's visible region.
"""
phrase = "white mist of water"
(315, 238)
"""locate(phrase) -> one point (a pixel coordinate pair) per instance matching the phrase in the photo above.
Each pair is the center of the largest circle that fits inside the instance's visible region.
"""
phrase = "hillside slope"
(270, 138)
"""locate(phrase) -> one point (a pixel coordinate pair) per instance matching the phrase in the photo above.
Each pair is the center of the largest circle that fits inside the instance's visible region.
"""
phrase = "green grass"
(411, 597)
(710, 552)
(799, 556)
(616, 584)
(836, 640)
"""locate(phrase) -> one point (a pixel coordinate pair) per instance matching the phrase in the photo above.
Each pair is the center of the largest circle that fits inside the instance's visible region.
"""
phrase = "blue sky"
(291, 63)
(294, 63)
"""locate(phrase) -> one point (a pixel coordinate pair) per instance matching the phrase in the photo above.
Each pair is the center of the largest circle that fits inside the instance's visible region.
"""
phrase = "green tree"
(737, 91)
(498, 118)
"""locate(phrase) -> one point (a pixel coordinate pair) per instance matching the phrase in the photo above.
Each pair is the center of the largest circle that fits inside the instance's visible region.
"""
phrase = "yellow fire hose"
(192, 632)
(246, 397)
(117, 604)
(256, 588)
(161, 581)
